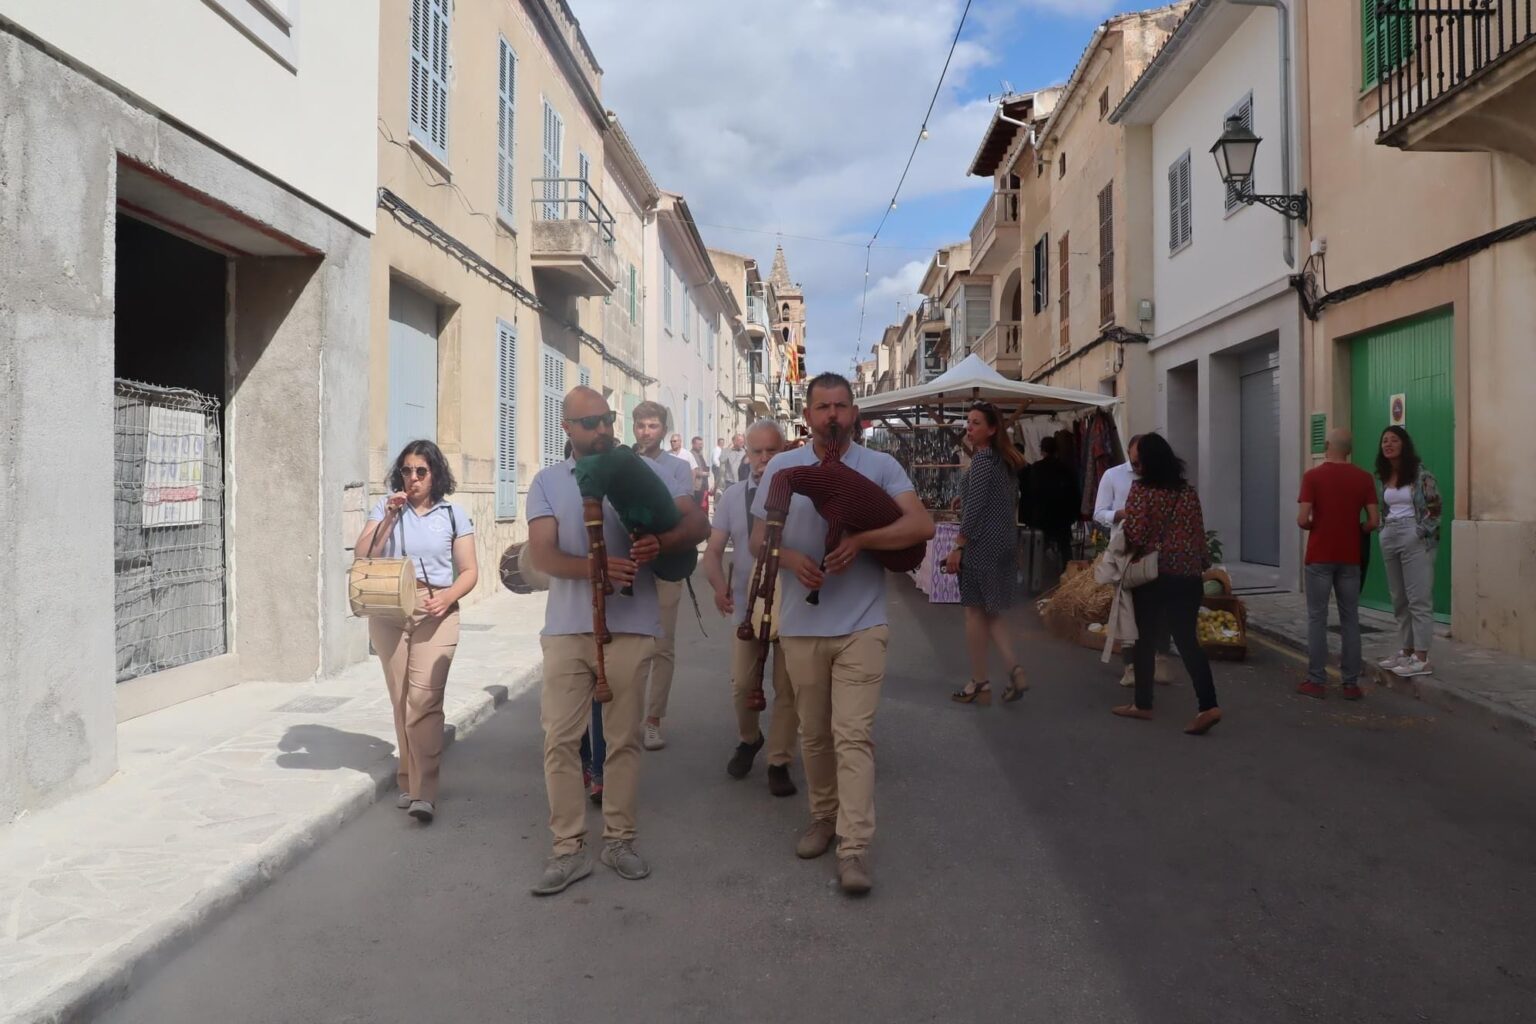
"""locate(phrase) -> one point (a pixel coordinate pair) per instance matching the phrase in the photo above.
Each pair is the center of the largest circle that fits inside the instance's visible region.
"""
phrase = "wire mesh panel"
(168, 539)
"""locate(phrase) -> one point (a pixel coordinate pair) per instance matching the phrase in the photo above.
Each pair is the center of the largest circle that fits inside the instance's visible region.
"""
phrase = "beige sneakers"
(815, 840)
(853, 875)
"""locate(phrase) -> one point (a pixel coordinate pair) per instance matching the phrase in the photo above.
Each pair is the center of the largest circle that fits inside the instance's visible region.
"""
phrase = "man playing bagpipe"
(594, 644)
(835, 648)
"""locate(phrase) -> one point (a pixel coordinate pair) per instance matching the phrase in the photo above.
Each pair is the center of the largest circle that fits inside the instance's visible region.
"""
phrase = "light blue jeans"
(1343, 582)
(1410, 565)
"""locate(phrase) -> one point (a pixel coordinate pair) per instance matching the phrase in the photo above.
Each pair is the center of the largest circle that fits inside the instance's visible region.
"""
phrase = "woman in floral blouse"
(1162, 514)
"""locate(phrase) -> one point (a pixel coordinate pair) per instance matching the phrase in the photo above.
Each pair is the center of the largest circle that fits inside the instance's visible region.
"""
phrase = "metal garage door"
(412, 367)
(1260, 376)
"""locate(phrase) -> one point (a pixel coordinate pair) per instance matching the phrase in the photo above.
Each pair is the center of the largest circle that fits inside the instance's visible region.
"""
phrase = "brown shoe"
(1203, 721)
(853, 875)
(815, 840)
(1132, 711)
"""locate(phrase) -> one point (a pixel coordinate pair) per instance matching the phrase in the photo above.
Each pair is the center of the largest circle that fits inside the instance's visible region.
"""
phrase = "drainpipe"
(1287, 185)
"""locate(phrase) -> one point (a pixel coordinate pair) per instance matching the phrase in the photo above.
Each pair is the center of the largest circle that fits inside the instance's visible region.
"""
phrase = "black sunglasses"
(419, 472)
(593, 422)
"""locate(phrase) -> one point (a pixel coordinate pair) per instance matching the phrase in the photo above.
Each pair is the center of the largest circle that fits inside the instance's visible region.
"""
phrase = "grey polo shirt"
(569, 610)
(675, 471)
(853, 599)
(731, 519)
(428, 539)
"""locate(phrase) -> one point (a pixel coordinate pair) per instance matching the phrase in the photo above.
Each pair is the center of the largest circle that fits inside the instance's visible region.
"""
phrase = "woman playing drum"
(416, 521)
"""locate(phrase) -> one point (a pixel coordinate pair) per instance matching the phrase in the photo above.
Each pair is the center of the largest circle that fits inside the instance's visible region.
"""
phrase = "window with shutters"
(978, 314)
(1064, 292)
(552, 381)
(1243, 111)
(711, 338)
(506, 421)
(1061, 166)
(554, 142)
(585, 376)
(1180, 205)
(1042, 278)
(506, 134)
(429, 76)
(1104, 104)
(583, 174)
(1386, 40)
(1107, 255)
(634, 300)
(687, 313)
(666, 296)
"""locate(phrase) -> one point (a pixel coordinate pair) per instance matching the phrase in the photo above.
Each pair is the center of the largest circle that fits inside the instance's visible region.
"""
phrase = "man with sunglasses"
(1108, 511)
(649, 422)
(557, 546)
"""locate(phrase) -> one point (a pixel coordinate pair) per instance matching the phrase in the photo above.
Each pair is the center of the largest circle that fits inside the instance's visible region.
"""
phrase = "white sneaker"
(1391, 664)
(1413, 667)
(653, 740)
(1164, 670)
(1128, 677)
(404, 800)
(422, 811)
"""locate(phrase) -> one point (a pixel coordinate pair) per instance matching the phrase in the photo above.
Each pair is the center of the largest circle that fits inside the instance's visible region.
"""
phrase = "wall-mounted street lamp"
(1235, 153)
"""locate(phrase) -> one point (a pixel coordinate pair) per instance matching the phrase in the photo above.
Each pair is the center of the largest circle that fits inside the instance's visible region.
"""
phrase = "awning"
(972, 380)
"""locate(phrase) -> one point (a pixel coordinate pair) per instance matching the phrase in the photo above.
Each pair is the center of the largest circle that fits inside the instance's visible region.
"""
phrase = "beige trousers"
(416, 655)
(570, 674)
(785, 724)
(837, 682)
(665, 661)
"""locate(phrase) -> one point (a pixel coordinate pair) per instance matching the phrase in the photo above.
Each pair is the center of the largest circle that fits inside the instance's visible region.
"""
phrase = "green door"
(1411, 359)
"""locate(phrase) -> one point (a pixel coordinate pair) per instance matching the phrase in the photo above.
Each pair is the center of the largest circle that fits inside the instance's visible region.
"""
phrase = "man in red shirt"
(1332, 497)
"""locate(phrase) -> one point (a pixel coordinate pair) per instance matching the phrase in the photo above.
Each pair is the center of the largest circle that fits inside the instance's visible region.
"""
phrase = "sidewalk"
(211, 800)
(1488, 687)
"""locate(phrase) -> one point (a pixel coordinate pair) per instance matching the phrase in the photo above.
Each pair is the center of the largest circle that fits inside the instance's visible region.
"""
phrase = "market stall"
(924, 427)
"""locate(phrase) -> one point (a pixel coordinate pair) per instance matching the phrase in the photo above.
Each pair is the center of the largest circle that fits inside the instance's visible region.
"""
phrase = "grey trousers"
(1343, 582)
(1410, 566)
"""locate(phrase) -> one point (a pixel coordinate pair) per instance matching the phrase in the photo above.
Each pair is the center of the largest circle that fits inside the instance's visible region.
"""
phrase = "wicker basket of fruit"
(1223, 628)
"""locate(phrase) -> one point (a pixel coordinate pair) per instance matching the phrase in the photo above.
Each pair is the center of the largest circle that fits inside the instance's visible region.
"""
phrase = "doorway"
(1259, 458)
(413, 320)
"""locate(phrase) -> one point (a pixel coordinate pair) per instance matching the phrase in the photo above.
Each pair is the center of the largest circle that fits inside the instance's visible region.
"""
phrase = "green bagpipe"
(642, 500)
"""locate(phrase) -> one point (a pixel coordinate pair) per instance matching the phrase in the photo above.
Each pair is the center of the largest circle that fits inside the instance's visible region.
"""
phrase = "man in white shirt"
(836, 650)
(650, 425)
(557, 545)
(1108, 510)
(733, 522)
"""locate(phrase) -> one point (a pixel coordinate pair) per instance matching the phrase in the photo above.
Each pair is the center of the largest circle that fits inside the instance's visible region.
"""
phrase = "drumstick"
(423, 563)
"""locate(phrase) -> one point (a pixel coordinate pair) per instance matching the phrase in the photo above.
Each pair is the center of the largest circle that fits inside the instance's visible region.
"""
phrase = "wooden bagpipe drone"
(646, 507)
(850, 502)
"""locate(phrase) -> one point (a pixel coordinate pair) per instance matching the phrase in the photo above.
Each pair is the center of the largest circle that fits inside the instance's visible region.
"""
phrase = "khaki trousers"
(416, 654)
(669, 594)
(837, 682)
(785, 724)
(570, 674)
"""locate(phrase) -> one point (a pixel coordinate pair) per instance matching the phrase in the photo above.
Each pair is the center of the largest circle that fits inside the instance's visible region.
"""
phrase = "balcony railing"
(757, 314)
(572, 199)
(1431, 50)
(999, 347)
(1001, 210)
(931, 311)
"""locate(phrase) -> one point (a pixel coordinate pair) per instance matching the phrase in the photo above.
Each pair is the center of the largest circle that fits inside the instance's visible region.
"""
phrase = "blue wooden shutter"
(586, 377)
(429, 75)
(551, 437)
(506, 421)
(554, 138)
(583, 171)
(506, 135)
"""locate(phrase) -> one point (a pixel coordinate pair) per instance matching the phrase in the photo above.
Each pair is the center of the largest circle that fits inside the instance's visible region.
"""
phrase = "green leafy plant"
(1213, 546)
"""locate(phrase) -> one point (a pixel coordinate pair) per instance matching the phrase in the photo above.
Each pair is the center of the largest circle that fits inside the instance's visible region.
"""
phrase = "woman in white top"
(1410, 538)
(417, 522)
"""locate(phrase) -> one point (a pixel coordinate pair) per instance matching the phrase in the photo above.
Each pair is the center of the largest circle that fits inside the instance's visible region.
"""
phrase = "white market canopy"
(972, 380)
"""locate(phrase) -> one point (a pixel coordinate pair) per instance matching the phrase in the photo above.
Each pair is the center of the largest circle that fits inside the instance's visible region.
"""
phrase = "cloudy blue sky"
(796, 116)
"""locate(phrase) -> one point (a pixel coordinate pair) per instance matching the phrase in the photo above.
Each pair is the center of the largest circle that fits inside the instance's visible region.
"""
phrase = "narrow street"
(1041, 861)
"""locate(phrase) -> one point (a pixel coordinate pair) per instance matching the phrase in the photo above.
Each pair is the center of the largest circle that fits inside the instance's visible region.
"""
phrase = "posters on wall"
(173, 467)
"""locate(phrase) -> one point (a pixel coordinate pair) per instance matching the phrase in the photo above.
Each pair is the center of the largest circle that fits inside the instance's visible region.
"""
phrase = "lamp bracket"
(1296, 207)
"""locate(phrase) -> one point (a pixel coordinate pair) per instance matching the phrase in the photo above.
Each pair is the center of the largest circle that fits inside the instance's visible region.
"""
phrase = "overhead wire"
(922, 134)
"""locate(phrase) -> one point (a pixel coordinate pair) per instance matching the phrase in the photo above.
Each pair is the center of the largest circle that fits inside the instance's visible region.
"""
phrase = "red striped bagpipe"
(850, 502)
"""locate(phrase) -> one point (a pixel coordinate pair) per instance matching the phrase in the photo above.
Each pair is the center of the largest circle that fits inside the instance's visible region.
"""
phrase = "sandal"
(1018, 682)
(973, 693)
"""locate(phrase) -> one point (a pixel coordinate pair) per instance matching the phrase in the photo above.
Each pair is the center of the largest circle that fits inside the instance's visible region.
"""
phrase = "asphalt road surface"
(1041, 861)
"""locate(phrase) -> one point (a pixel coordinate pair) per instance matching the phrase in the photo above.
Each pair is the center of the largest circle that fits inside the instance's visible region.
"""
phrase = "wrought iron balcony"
(1455, 75)
(994, 237)
(930, 312)
(573, 235)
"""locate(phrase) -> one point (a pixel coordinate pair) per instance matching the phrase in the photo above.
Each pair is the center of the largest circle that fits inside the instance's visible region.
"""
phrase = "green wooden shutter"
(1319, 433)
(1370, 65)
(1385, 41)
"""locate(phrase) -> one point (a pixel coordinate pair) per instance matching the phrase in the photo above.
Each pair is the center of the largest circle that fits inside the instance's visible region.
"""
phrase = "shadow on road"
(322, 748)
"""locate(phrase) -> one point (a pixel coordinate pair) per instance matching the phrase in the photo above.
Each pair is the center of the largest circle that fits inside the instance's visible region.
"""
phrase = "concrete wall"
(294, 405)
(1379, 209)
(310, 124)
(1230, 254)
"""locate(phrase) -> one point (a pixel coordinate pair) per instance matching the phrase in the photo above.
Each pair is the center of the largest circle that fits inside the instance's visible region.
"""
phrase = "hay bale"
(1075, 602)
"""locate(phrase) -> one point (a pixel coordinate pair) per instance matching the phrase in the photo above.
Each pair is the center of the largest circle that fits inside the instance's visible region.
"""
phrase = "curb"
(107, 982)
(1468, 706)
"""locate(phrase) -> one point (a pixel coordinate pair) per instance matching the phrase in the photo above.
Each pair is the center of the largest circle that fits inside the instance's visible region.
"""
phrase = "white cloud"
(797, 116)
(902, 286)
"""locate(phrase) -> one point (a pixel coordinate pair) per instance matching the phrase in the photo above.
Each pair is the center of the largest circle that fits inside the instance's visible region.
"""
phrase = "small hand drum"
(382, 588)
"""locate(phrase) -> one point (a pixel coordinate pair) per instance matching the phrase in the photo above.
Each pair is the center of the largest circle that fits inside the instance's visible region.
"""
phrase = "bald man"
(1333, 497)
(557, 546)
